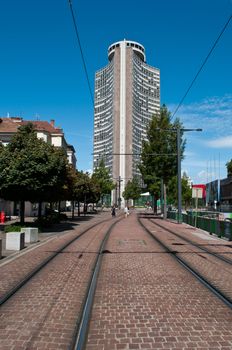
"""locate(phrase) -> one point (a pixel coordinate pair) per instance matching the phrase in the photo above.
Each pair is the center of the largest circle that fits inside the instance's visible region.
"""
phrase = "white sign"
(197, 192)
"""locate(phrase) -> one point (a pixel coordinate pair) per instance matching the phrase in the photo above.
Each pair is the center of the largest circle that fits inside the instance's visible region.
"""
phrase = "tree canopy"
(186, 191)
(159, 151)
(86, 189)
(31, 169)
(101, 176)
(229, 168)
(132, 189)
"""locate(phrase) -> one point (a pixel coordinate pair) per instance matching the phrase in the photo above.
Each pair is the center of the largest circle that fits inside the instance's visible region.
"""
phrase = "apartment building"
(127, 95)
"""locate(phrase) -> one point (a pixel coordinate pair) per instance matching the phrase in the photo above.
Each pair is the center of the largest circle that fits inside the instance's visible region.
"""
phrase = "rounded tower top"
(138, 48)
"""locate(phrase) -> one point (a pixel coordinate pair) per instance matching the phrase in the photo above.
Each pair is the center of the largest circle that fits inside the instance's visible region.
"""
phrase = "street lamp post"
(116, 194)
(179, 187)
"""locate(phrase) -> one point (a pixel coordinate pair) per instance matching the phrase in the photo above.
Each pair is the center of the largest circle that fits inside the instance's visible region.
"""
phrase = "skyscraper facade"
(127, 94)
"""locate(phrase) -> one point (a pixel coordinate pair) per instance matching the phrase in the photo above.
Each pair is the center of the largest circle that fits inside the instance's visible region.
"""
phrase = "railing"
(219, 227)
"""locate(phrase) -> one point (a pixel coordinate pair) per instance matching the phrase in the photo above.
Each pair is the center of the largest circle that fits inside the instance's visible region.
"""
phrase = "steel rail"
(31, 274)
(80, 335)
(203, 280)
(228, 261)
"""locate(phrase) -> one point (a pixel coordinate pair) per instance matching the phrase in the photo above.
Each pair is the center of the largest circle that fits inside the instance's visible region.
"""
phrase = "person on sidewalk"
(126, 212)
(113, 212)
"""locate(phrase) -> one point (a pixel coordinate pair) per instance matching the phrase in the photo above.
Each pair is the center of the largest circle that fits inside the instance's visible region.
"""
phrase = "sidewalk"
(49, 233)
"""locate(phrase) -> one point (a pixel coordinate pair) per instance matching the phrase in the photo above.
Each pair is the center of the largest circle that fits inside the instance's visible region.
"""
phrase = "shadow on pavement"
(67, 225)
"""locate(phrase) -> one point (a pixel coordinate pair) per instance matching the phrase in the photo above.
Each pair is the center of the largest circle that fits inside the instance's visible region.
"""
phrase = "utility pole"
(179, 188)
(162, 197)
(116, 194)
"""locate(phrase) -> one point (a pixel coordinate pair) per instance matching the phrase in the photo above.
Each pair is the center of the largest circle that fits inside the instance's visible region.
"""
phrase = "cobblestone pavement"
(43, 314)
(146, 300)
(204, 263)
(16, 266)
(211, 242)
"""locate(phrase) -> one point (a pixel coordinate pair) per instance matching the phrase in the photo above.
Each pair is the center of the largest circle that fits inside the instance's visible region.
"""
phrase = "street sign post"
(197, 192)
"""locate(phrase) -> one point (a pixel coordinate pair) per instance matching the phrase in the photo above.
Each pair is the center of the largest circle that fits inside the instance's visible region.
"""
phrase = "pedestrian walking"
(113, 212)
(126, 212)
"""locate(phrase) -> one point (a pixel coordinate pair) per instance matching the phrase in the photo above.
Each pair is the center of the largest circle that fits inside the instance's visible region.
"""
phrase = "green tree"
(172, 193)
(153, 185)
(86, 190)
(31, 170)
(229, 168)
(102, 177)
(132, 189)
(159, 151)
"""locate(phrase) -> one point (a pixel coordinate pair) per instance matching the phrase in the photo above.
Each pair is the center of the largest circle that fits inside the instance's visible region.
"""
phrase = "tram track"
(81, 331)
(88, 258)
(22, 282)
(139, 262)
(223, 295)
(71, 312)
(219, 256)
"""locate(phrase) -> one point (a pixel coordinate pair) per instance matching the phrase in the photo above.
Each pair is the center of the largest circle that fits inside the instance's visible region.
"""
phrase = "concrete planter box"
(15, 240)
(31, 234)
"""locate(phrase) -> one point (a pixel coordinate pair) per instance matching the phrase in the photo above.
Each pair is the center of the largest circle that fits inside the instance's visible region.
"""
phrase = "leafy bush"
(16, 227)
(43, 222)
(12, 228)
(63, 217)
(48, 220)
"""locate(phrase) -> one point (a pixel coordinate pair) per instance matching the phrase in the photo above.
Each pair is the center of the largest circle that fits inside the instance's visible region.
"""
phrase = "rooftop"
(11, 125)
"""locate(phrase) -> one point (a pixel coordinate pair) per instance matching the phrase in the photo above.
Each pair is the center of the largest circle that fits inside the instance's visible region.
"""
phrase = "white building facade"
(127, 95)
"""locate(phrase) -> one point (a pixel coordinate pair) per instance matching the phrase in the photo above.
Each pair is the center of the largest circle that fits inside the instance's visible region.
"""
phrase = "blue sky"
(42, 75)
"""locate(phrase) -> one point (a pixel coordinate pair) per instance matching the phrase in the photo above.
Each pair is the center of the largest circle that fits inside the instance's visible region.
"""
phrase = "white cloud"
(189, 154)
(223, 142)
(204, 177)
(208, 151)
(201, 177)
(212, 114)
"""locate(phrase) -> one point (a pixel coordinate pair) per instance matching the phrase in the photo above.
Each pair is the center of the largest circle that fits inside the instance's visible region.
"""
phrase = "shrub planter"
(15, 240)
(31, 234)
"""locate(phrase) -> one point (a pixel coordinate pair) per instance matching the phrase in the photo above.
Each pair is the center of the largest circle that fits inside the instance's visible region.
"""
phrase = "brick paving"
(206, 264)
(14, 268)
(211, 242)
(146, 300)
(44, 313)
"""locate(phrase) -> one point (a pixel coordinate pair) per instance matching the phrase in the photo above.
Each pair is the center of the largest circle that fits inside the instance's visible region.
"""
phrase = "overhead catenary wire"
(201, 67)
(134, 154)
(81, 51)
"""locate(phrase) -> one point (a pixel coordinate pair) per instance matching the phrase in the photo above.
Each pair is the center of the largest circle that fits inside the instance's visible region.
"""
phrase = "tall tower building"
(127, 94)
